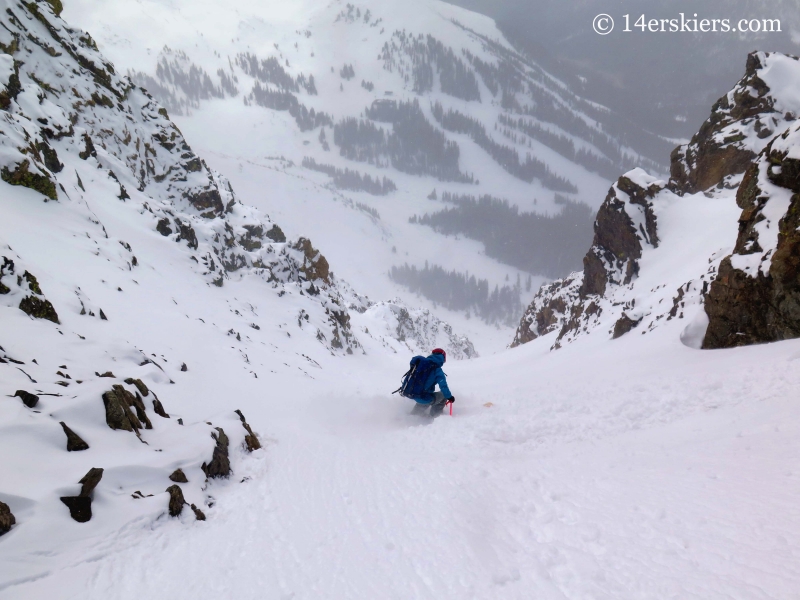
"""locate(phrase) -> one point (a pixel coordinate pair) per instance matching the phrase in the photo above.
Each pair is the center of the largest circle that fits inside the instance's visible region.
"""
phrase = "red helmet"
(440, 351)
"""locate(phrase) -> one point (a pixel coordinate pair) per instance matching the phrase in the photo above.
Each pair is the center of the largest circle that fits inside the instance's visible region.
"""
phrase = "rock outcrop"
(251, 439)
(118, 412)
(28, 399)
(751, 144)
(220, 464)
(740, 125)
(176, 500)
(756, 295)
(626, 224)
(80, 506)
(178, 476)
(25, 286)
(74, 442)
(7, 520)
(110, 123)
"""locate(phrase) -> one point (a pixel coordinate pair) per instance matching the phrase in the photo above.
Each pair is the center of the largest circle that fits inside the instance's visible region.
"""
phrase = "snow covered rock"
(418, 331)
(756, 295)
(732, 296)
(66, 99)
(625, 226)
(549, 309)
(23, 289)
(741, 124)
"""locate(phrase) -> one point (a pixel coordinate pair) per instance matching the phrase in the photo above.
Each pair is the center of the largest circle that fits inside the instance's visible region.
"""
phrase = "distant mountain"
(386, 103)
(664, 82)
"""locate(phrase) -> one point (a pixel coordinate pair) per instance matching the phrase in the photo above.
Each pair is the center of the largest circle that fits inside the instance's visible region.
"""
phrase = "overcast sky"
(667, 81)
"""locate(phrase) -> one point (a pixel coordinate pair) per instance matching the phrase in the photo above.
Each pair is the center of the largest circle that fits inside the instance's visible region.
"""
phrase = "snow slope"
(142, 304)
(262, 150)
(649, 472)
(634, 468)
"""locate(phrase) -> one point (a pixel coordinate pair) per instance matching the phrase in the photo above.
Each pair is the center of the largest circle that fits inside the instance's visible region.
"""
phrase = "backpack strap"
(405, 379)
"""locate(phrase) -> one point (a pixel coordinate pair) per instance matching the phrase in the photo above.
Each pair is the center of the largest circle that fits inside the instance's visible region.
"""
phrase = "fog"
(666, 81)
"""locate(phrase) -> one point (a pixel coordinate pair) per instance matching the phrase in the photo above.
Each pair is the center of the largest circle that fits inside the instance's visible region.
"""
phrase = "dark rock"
(615, 244)
(88, 148)
(108, 374)
(706, 161)
(89, 481)
(80, 508)
(315, 266)
(33, 283)
(276, 235)
(163, 227)
(28, 399)
(186, 232)
(118, 414)
(159, 408)
(762, 306)
(199, 514)
(613, 259)
(220, 465)
(251, 240)
(250, 440)
(207, 200)
(38, 308)
(176, 500)
(134, 401)
(21, 175)
(13, 88)
(178, 476)
(624, 325)
(50, 158)
(184, 368)
(103, 316)
(139, 386)
(74, 441)
(7, 520)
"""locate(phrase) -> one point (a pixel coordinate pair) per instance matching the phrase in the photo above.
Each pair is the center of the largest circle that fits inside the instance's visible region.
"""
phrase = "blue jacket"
(436, 376)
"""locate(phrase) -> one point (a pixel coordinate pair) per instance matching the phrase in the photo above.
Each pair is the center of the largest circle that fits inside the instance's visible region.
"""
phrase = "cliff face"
(625, 226)
(756, 296)
(741, 124)
(747, 155)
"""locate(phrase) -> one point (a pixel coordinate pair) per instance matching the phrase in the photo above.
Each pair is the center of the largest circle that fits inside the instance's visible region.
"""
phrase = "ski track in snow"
(645, 474)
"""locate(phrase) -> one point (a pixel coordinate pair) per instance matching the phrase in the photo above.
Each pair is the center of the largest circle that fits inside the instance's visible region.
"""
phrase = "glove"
(451, 400)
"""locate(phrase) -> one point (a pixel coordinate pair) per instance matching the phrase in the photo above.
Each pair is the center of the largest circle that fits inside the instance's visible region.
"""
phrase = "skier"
(436, 400)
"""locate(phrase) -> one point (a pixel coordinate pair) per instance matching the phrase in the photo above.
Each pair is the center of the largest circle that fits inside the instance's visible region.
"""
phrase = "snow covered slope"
(141, 303)
(717, 242)
(634, 468)
(295, 100)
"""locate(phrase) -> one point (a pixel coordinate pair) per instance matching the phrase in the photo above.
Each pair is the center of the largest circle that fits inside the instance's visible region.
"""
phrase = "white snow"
(649, 471)
(638, 468)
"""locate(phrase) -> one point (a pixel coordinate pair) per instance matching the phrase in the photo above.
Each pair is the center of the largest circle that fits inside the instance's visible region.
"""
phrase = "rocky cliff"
(745, 155)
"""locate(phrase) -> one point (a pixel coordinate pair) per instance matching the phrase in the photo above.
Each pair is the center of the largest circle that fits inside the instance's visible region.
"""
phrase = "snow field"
(650, 472)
